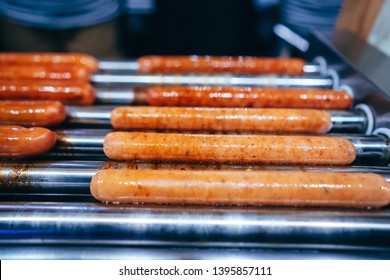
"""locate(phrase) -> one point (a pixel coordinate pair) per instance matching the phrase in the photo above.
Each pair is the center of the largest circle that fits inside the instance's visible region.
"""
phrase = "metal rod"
(116, 95)
(93, 252)
(145, 225)
(211, 80)
(348, 122)
(74, 177)
(118, 65)
(132, 66)
(343, 121)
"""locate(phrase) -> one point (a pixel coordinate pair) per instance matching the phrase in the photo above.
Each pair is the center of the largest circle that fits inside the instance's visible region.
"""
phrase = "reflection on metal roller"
(211, 80)
(199, 227)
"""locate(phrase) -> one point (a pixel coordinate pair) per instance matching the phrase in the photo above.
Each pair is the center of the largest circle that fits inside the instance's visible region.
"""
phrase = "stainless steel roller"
(175, 226)
(88, 144)
(73, 177)
(132, 66)
(343, 121)
(131, 79)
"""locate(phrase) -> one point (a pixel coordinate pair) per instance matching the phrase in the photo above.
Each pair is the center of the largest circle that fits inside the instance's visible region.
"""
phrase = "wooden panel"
(358, 16)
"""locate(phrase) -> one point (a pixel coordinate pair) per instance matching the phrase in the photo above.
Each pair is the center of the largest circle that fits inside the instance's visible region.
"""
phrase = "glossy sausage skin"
(229, 148)
(50, 72)
(220, 64)
(248, 97)
(254, 188)
(84, 60)
(75, 93)
(32, 113)
(222, 119)
(20, 142)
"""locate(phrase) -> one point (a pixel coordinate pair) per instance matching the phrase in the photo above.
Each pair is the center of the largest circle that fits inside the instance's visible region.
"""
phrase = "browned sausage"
(77, 93)
(248, 97)
(51, 72)
(84, 60)
(32, 113)
(222, 119)
(253, 188)
(20, 142)
(229, 148)
(220, 64)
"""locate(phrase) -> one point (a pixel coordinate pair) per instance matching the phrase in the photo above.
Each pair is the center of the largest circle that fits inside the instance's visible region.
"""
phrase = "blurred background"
(130, 28)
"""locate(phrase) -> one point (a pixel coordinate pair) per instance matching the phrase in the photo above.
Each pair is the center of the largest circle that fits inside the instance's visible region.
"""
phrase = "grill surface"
(47, 211)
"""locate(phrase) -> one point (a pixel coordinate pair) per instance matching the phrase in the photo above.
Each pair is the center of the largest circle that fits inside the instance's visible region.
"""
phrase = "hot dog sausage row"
(32, 113)
(239, 188)
(36, 72)
(20, 142)
(76, 93)
(222, 119)
(82, 93)
(229, 148)
(49, 59)
(248, 97)
(166, 64)
(220, 64)
(51, 113)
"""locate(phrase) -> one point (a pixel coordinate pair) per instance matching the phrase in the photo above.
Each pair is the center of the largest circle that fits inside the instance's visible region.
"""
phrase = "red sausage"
(43, 72)
(76, 93)
(220, 64)
(222, 119)
(254, 188)
(20, 142)
(229, 148)
(32, 113)
(248, 97)
(84, 60)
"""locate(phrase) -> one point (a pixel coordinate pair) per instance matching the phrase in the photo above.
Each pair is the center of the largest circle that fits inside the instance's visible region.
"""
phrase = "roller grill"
(47, 200)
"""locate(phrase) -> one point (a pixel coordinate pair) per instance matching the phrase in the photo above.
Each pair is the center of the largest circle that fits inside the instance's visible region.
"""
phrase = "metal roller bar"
(117, 96)
(88, 144)
(74, 177)
(343, 121)
(118, 65)
(180, 253)
(211, 80)
(132, 66)
(240, 227)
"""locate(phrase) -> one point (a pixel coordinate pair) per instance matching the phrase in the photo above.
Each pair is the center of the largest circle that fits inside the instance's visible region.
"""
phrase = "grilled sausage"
(20, 142)
(84, 60)
(248, 97)
(32, 113)
(229, 148)
(222, 119)
(76, 93)
(253, 188)
(220, 64)
(51, 72)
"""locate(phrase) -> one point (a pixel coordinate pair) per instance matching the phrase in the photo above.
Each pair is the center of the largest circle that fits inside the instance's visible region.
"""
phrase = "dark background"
(219, 27)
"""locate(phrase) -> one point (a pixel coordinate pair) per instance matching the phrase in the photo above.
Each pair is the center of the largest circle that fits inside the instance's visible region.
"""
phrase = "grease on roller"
(254, 188)
(222, 119)
(229, 148)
